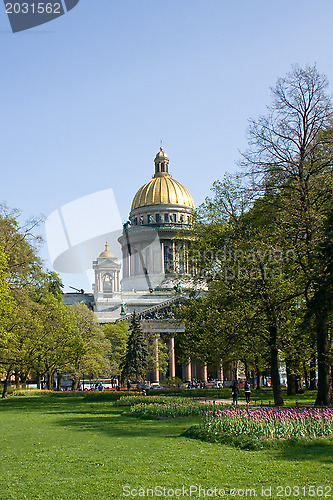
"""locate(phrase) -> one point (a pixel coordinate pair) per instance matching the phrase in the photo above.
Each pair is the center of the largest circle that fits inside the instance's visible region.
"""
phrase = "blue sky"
(87, 98)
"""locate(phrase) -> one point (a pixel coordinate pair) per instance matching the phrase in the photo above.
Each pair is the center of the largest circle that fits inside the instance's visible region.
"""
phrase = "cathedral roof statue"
(162, 189)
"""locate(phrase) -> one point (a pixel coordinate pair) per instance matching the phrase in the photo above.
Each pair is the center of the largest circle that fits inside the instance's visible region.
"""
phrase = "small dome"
(107, 254)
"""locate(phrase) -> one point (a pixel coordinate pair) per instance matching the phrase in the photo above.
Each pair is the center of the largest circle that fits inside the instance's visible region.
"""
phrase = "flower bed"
(135, 399)
(107, 395)
(29, 392)
(172, 407)
(269, 423)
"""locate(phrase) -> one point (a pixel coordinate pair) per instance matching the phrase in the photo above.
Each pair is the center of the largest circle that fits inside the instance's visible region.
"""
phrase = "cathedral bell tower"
(107, 276)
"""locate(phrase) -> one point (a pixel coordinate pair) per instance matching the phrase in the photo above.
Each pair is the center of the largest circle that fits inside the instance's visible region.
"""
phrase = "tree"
(135, 363)
(291, 155)
(92, 353)
(242, 248)
(6, 310)
(60, 339)
(117, 334)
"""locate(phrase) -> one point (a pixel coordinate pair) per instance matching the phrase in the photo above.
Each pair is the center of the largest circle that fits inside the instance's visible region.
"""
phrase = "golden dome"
(162, 190)
(107, 254)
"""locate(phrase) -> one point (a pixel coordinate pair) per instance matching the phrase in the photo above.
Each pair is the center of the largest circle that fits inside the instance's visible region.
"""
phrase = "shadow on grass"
(82, 415)
(319, 450)
(116, 422)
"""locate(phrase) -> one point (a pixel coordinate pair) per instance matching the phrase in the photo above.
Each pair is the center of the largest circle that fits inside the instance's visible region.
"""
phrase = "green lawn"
(57, 447)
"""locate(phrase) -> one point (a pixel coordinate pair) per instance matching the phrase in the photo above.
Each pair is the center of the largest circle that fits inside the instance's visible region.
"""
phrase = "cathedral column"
(188, 372)
(220, 371)
(162, 257)
(174, 256)
(204, 373)
(125, 263)
(172, 358)
(186, 263)
(156, 372)
(132, 262)
(140, 259)
(151, 260)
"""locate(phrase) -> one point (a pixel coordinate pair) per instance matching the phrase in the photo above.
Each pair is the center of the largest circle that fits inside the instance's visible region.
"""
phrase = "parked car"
(155, 385)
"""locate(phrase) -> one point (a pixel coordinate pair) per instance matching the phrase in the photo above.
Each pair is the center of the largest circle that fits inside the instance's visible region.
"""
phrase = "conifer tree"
(135, 363)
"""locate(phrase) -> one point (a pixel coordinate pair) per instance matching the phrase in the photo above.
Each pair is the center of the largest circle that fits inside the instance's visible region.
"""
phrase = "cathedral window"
(181, 218)
(141, 220)
(166, 217)
(149, 219)
(158, 218)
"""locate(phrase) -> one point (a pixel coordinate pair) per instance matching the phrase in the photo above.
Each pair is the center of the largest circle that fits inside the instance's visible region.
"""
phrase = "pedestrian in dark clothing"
(128, 385)
(247, 390)
(235, 392)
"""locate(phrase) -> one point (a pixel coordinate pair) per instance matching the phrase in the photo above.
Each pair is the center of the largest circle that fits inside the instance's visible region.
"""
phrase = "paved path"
(218, 401)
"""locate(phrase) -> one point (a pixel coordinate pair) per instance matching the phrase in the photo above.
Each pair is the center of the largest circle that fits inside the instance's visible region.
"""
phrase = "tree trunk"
(324, 392)
(306, 377)
(75, 383)
(23, 379)
(291, 380)
(275, 376)
(6, 382)
(257, 376)
(39, 380)
(247, 372)
(58, 381)
(50, 381)
(313, 373)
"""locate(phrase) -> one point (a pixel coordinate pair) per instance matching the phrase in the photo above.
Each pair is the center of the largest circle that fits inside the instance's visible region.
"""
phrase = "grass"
(73, 448)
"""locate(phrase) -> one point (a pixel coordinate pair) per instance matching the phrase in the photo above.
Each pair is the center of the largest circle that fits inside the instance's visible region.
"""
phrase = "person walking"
(247, 390)
(235, 392)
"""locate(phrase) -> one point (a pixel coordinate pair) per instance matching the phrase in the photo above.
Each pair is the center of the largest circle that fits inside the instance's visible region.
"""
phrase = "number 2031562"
(304, 491)
(33, 8)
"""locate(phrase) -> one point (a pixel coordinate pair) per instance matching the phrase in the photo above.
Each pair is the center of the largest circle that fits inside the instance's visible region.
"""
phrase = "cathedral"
(155, 272)
(153, 258)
